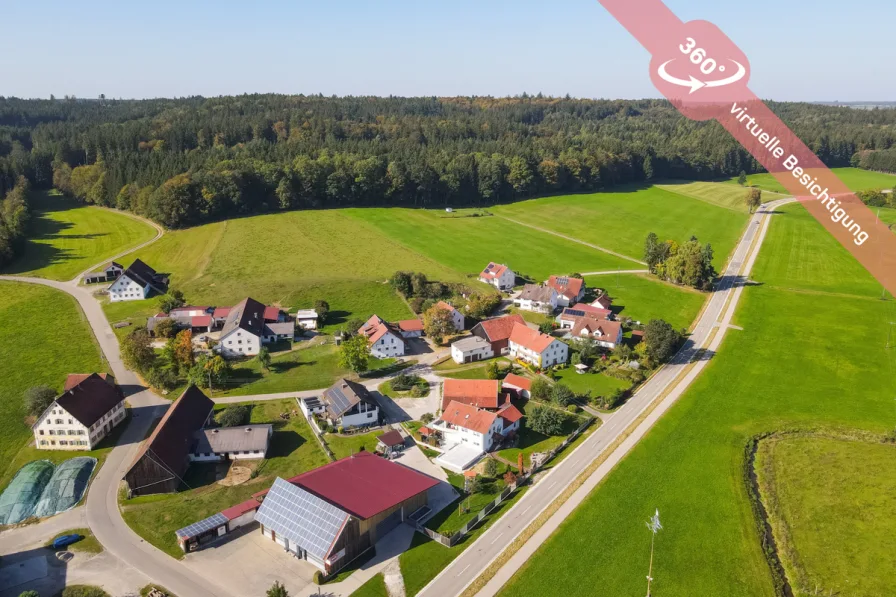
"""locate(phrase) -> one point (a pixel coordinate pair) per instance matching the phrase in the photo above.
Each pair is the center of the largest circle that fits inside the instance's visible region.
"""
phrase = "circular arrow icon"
(694, 83)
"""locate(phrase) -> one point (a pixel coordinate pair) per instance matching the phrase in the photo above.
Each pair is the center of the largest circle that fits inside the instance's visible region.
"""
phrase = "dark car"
(65, 540)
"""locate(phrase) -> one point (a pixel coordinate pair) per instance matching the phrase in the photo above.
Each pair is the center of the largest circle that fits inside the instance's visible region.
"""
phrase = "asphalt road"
(666, 383)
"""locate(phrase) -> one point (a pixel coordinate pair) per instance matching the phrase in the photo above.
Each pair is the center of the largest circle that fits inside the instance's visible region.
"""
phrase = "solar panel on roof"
(306, 520)
(575, 312)
(197, 528)
(338, 399)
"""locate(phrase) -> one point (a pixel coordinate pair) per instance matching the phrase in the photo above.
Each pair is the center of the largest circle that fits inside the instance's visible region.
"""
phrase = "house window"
(52, 442)
(51, 432)
(41, 431)
(43, 442)
(369, 415)
(62, 442)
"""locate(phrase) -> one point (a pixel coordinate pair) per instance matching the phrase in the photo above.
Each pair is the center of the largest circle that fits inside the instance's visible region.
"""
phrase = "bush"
(233, 416)
(38, 398)
(404, 382)
(317, 578)
(490, 468)
(83, 591)
(323, 309)
(340, 429)
(29, 594)
(572, 408)
(167, 328)
(540, 389)
(546, 420)
(278, 590)
(162, 377)
(420, 390)
(562, 395)
(427, 418)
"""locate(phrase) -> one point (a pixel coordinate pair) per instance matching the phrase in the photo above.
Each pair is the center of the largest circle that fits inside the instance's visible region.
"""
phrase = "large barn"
(165, 455)
(332, 514)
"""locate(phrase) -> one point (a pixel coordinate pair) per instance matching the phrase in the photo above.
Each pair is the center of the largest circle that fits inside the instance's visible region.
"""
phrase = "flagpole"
(655, 526)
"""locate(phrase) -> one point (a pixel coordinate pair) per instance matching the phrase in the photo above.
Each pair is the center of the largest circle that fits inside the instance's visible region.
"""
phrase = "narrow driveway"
(635, 417)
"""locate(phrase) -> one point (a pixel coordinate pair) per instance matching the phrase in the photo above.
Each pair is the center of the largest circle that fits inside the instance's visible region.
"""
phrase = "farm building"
(136, 283)
(306, 319)
(481, 393)
(410, 328)
(87, 410)
(331, 515)
(497, 332)
(517, 384)
(246, 442)
(107, 273)
(471, 349)
(163, 458)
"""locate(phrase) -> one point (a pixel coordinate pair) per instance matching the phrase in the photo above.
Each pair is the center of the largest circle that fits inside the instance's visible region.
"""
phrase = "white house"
(306, 319)
(457, 318)
(385, 339)
(536, 348)
(247, 442)
(136, 283)
(570, 290)
(470, 349)
(607, 334)
(571, 315)
(499, 276)
(89, 408)
(107, 273)
(246, 328)
(462, 423)
(541, 299)
(349, 404)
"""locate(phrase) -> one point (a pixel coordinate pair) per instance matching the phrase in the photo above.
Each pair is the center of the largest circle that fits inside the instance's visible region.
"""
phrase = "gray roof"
(343, 395)
(283, 327)
(246, 315)
(206, 524)
(145, 276)
(471, 343)
(536, 292)
(302, 517)
(251, 438)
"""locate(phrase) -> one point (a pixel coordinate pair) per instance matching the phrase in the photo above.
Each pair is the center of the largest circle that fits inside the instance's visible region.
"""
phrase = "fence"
(318, 435)
(504, 495)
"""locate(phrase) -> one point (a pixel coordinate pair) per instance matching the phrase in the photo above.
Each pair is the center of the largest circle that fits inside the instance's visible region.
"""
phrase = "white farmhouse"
(536, 348)
(136, 283)
(247, 328)
(540, 299)
(349, 404)
(570, 290)
(385, 339)
(467, 432)
(457, 318)
(471, 349)
(89, 408)
(499, 276)
(607, 334)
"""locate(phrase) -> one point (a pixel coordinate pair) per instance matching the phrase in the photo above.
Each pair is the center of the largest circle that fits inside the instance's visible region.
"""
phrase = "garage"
(388, 523)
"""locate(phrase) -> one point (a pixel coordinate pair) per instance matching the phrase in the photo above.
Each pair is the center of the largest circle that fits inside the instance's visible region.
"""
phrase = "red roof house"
(482, 393)
(497, 331)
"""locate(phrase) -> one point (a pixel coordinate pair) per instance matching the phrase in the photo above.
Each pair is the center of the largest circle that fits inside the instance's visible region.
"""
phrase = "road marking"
(526, 510)
(552, 484)
(496, 538)
(464, 570)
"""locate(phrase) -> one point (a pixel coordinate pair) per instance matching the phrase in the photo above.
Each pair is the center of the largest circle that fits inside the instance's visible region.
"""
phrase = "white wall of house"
(477, 354)
(556, 352)
(456, 435)
(538, 306)
(307, 324)
(125, 289)
(367, 414)
(411, 333)
(388, 346)
(503, 282)
(515, 426)
(238, 343)
(457, 318)
(217, 457)
(56, 429)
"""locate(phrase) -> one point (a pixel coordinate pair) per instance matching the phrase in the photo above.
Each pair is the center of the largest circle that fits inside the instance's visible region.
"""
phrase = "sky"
(810, 50)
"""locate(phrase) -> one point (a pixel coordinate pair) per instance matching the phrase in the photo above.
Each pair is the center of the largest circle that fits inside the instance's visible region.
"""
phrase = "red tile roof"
(468, 417)
(602, 301)
(568, 287)
(425, 430)
(203, 321)
(493, 270)
(529, 338)
(602, 313)
(499, 329)
(444, 305)
(410, 325)
(510, 414)
(240, 509)
(221, 312)
(271, 313)
(512, 379)
(605, 331)
(477, 392)
(74, 379)
(364, 484)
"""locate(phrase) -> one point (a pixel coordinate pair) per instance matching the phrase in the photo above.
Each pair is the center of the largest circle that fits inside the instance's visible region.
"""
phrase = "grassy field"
(803, 359)
(643, 298)
(375, 587)
(854, 178)
(343, 446)
(598, 384)
(293, 450)
(727, 196)
(822, 492)
(58, 342)
(66, 238)
(467, 507)
(621, 220)
(531, 441)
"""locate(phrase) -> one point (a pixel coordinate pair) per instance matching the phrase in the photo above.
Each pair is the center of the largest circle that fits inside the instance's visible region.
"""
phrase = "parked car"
(65, 540)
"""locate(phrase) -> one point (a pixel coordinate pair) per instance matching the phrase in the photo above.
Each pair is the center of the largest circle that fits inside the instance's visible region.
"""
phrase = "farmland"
(66, 238)
(58, 342)
(643, 298)
(824, 491)
(804, 359)
(621, 220)
(854, 178)
(728, 196)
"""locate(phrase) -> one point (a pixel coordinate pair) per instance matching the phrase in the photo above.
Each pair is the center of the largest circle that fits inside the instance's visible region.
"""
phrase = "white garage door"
(283, 541)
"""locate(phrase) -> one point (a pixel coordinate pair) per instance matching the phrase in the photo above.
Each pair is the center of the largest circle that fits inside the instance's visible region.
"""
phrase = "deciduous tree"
(354, 353)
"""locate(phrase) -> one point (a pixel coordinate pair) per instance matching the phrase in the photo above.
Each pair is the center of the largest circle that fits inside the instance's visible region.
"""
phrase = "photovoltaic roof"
(303, 518)
(575, 312)
(197, 528)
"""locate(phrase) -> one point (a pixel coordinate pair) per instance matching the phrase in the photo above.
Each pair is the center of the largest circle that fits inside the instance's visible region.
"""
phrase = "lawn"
(721, 195)
(531, 316)
(348, 445)
(531, 441)
(280, 258)
(802, 360)
(66, 238)
(58, 342)
(88, 543)
(822, 492)
(467, 507)
(599, 384)
(621, 220)
(386, 389)
(854, 178)
(643, 297)
(293, 450)
(375, 587)
(467, 244)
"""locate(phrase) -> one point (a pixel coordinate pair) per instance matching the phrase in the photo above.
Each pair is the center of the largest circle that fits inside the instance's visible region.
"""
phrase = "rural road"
(623, 430)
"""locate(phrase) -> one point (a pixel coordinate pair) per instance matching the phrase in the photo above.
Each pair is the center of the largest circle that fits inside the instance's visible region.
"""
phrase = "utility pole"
(654, 525)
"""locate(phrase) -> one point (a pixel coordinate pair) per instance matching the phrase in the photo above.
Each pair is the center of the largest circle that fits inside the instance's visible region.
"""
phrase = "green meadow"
(854, 178)
(805, 358)
(66, 238)
(43, 337)
(643, 297)
(621, 220)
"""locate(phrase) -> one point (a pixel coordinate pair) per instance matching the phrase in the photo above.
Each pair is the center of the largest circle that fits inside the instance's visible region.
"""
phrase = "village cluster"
(330, 515)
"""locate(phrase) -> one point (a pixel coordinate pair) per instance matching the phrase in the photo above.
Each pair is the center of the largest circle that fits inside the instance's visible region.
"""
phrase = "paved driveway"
(442, 494)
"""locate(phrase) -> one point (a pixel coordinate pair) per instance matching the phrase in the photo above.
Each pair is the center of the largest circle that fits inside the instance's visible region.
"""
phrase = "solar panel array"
(197, 528)
(562, 281)
(338, 400)
(301, 517)
(575, 312)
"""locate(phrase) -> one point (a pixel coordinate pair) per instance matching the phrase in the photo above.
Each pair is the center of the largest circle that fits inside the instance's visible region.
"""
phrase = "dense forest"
(190, 160)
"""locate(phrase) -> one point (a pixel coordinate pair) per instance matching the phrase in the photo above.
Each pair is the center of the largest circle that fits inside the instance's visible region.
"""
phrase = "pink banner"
(704, 74)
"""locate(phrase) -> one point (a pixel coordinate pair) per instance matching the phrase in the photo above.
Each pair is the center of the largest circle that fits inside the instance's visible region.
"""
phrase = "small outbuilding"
(390, 443)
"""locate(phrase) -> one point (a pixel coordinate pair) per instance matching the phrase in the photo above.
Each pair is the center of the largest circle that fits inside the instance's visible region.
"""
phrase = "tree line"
(189, 160)
(14, 218)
